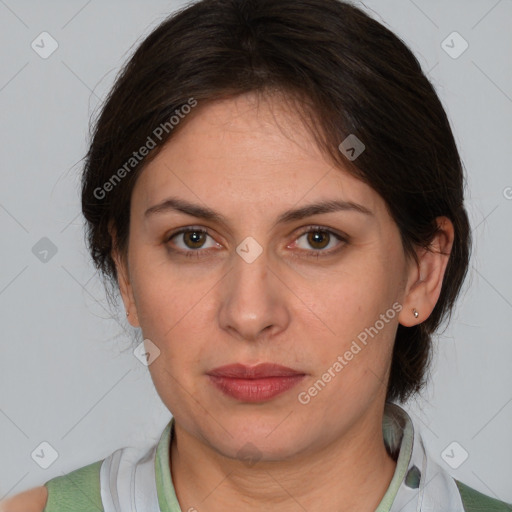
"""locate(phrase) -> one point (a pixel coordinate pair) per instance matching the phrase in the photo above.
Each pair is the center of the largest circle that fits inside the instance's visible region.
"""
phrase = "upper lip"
(262, 370)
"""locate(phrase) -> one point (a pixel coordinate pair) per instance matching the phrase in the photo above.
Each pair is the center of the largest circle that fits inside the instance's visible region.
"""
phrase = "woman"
(275, 189)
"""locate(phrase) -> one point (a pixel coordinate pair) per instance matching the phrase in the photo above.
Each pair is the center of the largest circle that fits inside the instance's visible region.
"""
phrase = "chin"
(257, 444)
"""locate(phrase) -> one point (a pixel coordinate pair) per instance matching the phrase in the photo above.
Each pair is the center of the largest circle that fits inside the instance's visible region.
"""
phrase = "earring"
(415, 313)
(127, 313)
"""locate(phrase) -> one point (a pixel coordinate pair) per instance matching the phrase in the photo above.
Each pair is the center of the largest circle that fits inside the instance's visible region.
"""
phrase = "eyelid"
(318, 227)
(185, 229)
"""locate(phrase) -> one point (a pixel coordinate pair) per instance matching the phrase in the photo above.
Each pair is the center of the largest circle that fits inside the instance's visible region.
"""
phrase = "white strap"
(128, 481)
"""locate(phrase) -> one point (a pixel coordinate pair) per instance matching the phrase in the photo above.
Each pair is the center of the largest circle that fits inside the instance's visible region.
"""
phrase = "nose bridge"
(252, 299)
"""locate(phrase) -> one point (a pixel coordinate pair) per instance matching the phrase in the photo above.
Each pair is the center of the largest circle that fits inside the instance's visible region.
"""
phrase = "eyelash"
(199, 253)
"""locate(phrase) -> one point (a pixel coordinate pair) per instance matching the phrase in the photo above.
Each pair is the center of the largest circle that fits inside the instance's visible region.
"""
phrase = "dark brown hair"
(343, 73)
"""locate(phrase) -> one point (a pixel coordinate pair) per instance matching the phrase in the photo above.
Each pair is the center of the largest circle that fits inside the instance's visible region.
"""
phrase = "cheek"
(352, 299)
(167, 296)
(174, 311)
(169, 316)
(358, 310)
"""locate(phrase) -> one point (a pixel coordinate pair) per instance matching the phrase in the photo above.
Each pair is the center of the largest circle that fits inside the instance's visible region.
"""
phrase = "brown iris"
(316, 237)
(197, 239)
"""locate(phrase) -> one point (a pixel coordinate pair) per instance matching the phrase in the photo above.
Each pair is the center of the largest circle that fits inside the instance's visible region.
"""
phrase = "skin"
(33, 500)
(250, 160)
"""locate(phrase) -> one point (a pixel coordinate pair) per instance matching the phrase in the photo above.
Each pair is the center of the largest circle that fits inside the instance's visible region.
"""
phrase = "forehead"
(246, 151)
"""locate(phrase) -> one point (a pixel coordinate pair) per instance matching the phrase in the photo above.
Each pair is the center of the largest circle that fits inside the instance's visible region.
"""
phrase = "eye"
(320, 238)
(192, 239)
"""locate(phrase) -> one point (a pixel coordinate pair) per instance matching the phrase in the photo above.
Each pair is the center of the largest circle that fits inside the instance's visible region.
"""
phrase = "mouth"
(259, 371)
(254, 383)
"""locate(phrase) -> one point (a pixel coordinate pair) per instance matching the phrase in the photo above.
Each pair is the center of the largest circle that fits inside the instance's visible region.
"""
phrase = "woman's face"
(257, 287)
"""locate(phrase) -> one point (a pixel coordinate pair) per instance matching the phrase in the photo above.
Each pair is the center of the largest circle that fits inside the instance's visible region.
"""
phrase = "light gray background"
(64, 377)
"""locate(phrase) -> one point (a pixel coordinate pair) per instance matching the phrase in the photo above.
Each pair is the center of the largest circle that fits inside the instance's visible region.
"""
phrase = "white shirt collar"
(419, 483)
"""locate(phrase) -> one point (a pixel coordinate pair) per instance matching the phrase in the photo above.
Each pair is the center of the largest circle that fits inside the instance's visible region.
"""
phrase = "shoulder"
(33, 500)
(475, 501)
(79, 491)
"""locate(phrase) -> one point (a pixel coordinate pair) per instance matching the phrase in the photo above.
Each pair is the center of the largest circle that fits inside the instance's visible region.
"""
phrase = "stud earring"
(127, 313)
(415, 313)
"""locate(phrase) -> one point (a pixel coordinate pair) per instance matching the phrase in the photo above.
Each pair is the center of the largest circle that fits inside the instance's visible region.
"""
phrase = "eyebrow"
(202, 212)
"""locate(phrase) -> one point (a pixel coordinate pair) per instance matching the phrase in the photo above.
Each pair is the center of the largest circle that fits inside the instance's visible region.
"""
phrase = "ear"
(425, 279)
(123, 279)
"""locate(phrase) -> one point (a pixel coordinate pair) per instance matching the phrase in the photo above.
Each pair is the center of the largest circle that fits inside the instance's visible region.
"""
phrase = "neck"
(352, 473)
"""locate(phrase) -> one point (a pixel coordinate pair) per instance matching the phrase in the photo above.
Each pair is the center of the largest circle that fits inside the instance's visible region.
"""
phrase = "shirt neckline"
(398, 434)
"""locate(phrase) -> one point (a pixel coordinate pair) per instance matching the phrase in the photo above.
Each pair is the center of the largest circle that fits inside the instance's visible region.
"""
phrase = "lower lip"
(255, 390)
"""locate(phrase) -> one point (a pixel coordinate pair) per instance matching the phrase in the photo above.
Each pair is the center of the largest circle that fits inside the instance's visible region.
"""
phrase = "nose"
(253, 300)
